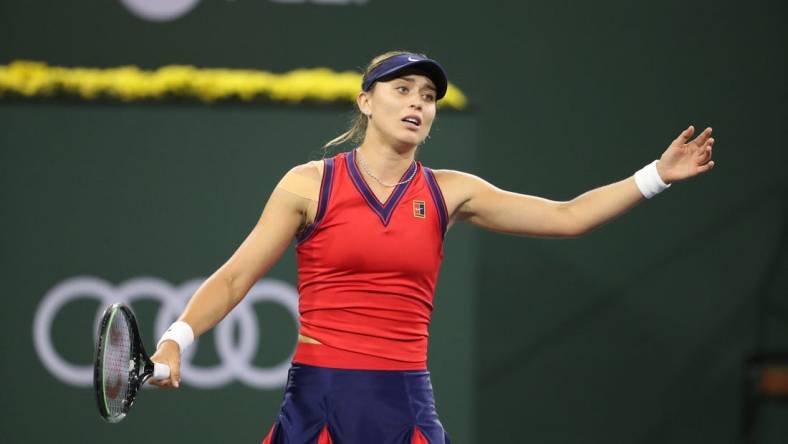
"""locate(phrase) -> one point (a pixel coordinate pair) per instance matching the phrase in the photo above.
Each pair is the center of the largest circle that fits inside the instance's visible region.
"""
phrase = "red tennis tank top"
(367, 270)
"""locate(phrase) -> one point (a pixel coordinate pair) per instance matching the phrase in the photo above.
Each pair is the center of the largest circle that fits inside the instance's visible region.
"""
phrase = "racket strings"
(117, 358)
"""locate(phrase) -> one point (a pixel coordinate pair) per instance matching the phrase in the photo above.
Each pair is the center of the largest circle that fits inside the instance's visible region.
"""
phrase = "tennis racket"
(121, 365)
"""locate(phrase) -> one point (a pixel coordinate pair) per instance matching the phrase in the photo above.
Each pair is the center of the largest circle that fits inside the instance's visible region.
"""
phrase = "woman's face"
(401, 109)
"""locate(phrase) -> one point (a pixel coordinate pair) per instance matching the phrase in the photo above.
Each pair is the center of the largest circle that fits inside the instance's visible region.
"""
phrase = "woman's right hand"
(169, 353)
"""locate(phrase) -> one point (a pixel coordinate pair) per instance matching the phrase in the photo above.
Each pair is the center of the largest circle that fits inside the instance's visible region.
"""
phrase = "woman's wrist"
(179, 332)
(649, 181)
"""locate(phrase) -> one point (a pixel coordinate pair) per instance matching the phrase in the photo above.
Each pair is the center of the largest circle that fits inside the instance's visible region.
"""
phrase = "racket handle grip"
(160, 371)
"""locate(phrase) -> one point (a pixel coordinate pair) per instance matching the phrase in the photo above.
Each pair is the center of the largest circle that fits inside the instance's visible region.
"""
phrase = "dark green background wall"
(636, 332)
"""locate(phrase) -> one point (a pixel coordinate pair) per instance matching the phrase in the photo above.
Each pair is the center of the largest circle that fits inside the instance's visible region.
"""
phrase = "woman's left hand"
(684, 159)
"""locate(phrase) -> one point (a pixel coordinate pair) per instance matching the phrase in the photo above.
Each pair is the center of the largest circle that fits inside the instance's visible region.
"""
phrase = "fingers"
(175, 371)
(703, 137)
(169, 354)
(706, 164)
(173, 381)
(685, 135)
(706, 150)
(706, 167)
(161, 383)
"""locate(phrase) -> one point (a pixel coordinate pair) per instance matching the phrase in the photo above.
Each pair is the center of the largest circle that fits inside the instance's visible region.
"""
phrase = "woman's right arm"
(283, 215)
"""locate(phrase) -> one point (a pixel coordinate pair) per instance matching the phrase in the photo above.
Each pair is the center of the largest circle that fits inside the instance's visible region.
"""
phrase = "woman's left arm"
(489, 207)
(680, 161)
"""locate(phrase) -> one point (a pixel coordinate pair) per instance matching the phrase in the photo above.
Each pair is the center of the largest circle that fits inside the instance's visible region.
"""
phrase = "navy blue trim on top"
(437, 197)
(322, 204)
(383, 210)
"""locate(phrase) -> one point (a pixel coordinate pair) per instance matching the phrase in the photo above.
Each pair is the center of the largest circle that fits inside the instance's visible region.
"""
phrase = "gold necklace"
(366, 170)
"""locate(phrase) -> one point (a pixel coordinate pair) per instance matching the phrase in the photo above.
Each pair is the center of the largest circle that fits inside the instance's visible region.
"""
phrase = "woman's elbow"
(571, 225)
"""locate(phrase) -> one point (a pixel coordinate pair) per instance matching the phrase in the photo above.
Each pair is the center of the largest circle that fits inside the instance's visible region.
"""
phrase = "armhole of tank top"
(322, 204)
(437, 197)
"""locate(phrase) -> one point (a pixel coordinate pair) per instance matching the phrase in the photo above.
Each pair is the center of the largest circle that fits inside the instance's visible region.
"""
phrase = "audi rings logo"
(236, 358)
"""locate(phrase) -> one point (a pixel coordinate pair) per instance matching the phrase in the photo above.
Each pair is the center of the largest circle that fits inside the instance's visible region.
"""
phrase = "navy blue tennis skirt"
(336, 406)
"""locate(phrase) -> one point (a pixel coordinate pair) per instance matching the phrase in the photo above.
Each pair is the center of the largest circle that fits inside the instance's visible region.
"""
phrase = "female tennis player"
(369, 227)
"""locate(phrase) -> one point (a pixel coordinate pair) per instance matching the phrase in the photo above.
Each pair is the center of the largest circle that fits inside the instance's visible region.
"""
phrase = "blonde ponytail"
(355, 134)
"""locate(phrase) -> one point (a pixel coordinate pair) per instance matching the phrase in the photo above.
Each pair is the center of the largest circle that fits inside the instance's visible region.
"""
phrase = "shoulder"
(458, 180)
(450, 174)
(310, 170)
(303, 180)
(459, 188)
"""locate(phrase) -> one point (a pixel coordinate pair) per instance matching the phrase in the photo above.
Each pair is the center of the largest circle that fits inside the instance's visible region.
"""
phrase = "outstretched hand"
(684, 159)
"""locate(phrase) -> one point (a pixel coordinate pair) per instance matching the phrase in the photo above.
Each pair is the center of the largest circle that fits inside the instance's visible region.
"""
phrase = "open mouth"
(415, 121)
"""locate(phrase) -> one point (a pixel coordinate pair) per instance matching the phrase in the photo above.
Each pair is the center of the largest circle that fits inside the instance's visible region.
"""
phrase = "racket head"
(120, 364)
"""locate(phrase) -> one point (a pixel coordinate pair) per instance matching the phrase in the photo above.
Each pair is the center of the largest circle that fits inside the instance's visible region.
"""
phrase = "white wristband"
(180, 332)
(649, 182)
